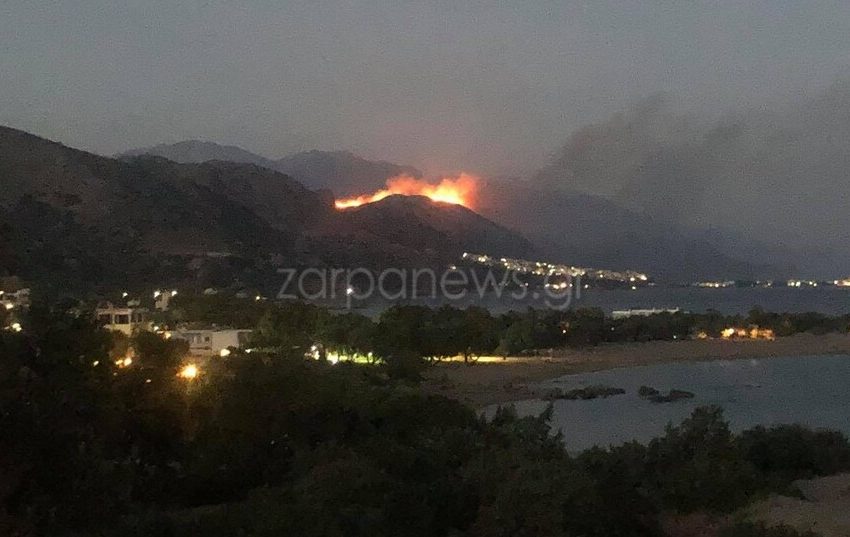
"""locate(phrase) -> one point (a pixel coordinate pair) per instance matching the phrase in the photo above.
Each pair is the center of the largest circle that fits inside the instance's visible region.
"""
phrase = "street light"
(189, 372)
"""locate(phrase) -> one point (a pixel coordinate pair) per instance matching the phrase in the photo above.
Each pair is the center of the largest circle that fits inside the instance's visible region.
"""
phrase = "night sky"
(489, 87)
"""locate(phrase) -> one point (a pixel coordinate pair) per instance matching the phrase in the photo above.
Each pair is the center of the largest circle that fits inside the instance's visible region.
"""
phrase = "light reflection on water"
(810, 390)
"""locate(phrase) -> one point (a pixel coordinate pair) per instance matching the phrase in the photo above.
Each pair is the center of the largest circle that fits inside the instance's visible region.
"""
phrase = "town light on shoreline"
(753, 332)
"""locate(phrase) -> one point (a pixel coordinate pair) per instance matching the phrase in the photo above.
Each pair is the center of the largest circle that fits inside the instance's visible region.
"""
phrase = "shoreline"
(496, 381)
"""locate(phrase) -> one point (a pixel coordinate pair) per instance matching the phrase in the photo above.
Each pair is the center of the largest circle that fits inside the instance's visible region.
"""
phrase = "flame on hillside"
(458, 190)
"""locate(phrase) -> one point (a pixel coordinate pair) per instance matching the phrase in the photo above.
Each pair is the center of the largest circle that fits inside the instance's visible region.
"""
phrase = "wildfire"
(458, 190)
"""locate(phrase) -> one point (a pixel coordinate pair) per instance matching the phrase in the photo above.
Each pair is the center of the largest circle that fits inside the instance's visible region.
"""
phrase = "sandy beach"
(494, 380)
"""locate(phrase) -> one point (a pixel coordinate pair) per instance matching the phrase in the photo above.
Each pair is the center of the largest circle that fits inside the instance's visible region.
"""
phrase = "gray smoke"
(776, 174)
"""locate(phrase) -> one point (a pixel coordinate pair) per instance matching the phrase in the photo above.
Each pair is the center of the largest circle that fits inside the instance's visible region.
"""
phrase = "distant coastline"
(495, 381)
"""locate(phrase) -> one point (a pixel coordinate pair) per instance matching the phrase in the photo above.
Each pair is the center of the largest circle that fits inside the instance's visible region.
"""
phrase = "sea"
(829, 300)
(806, 390)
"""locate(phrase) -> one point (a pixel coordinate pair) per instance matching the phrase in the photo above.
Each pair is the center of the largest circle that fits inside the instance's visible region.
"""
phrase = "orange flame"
(459, 191)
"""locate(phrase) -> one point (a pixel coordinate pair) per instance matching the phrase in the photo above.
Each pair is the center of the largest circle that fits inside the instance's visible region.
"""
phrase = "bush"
(788, 452)
(697, 466)
(403, 365)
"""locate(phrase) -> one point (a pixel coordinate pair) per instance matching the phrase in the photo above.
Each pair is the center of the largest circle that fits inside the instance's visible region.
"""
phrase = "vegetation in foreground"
(271, 444)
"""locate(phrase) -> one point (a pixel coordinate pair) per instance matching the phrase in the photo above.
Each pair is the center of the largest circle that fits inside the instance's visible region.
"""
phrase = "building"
(163, 298)
(19, 299)
(122, 319)
(213, 341)
(622, 314)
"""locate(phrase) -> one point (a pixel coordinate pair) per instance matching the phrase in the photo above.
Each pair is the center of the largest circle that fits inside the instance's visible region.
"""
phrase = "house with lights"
(19, 299)
(212, 341)
(126, 320)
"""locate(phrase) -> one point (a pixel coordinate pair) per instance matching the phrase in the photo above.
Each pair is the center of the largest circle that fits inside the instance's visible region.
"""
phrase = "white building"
(622, 314)
(16, 299)
(212, 341)
(123, 319)
(162, 298)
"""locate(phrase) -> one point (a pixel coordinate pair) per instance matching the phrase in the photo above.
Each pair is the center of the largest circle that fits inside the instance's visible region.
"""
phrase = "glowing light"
(224, 352)
(752, 333)
(9, 305)
(16, 327)
(156, 294)
(459, 190)
(125, 294)
(126, 362)
(174, 293)
(189, 372)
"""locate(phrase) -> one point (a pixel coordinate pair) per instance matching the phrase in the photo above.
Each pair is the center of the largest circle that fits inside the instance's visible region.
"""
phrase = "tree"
(478, 333)
(403, 330)
(587, 327)
(346, 333)
(290, 327)
(697, 465)
(56, 414)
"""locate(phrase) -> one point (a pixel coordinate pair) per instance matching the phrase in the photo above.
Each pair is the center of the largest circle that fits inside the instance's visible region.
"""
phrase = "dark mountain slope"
(65, 208)
(73, 218)
(588, 230)
(415, 227)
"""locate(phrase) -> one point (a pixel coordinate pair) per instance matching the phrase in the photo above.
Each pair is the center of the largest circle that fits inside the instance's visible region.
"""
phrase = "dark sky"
(490, 87)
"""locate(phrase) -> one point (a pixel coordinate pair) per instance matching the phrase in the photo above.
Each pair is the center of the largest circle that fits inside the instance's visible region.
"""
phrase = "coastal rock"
(587, 393)
(672, 395)
(647, 391)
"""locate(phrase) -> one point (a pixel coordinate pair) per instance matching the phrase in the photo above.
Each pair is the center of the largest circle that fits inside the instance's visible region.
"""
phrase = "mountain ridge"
(342, 172)
(566, 226)
(81, 219)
